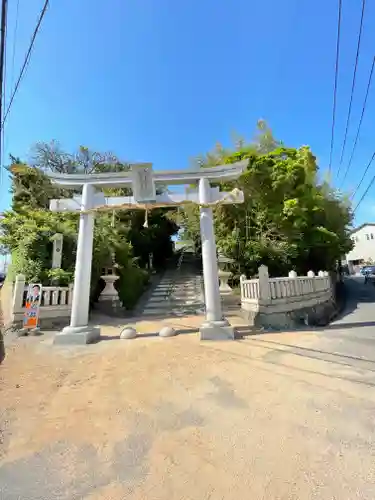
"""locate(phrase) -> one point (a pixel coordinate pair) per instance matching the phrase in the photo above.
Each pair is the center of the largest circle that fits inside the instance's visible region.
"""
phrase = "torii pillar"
(143, 181)
(215, 327)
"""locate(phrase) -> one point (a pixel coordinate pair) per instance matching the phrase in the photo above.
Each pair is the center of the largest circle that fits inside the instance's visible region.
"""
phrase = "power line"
(26, 60)
(368, 187)
(335, 85)
(11, 85)
(15, 31)
(2, 143)
(2, 66)
(353, 85)
(360, 122)
(363, 176)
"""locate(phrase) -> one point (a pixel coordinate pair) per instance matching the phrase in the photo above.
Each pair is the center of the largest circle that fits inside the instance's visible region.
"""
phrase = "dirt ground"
(178, 419)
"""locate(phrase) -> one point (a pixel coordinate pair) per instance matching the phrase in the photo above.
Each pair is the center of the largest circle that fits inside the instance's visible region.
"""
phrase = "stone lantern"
(109, 301)
(224, 275)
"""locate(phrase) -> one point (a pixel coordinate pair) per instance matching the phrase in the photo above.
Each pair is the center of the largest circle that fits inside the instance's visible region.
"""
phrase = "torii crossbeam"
(143, 181)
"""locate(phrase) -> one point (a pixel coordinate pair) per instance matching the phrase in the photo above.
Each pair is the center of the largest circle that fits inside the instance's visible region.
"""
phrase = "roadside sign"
(32, 307)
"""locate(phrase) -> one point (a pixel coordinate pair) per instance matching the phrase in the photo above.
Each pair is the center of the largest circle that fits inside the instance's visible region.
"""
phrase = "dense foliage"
(290, 220)
(29, 226)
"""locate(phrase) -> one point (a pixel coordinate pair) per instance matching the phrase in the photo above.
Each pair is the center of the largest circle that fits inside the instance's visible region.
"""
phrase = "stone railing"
(275, 297)
(55, 302)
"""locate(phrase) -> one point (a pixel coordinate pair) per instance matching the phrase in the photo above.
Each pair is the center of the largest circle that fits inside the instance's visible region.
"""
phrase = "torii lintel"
(162, 177)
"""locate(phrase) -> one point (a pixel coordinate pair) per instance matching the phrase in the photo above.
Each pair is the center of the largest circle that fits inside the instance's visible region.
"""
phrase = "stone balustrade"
(56, 301)
(276, 300)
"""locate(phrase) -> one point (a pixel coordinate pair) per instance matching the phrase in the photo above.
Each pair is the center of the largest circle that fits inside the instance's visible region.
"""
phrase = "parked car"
(369, 273)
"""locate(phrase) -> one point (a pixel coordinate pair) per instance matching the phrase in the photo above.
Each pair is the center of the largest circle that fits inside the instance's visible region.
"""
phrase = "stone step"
(177, 312)
(173, 304)
(185, 296)
(178, 293)
(175, 284)
(179, 290)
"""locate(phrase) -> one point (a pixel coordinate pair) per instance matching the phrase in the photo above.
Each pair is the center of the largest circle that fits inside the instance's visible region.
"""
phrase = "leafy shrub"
(131, 285)
(60, 276)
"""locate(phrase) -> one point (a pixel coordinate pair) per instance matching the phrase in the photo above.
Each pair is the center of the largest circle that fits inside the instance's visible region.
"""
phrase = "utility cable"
(360, 122)
(3, 27)
(368, 187)
(4, 139)
(363, 176)
(353, 86)
(335, 84)
(2, 131)
(26, 61)
(15, 32)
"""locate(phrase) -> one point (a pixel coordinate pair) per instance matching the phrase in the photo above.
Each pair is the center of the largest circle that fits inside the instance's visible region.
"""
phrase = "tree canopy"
(27, 228)
(290, 220)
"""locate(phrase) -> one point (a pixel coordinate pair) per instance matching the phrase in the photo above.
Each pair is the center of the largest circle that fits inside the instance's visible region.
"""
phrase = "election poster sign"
(32, 306)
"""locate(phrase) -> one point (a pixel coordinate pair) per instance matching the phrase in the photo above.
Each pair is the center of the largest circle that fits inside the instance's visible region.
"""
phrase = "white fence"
(56, 301)
(284, 294)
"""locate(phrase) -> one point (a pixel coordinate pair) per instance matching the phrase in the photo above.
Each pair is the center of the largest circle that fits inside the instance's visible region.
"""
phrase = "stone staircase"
(179, 292)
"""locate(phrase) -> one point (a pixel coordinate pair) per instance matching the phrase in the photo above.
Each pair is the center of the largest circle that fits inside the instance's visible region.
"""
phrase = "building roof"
(372, 224)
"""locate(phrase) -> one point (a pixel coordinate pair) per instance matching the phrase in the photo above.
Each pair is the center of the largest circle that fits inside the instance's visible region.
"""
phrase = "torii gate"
(143, 181)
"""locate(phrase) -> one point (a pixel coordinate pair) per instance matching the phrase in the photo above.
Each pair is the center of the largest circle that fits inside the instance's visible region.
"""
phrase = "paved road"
(354, 332)
(348, 342)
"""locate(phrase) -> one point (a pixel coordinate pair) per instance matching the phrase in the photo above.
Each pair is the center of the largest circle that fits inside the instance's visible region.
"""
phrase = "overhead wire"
(2, 131)
(335, 84)
(11, 85)
(15, 33)
(4, 5)
(360, 123)
(26, 61)
(363, 176)
(353, 86)
(368, 187)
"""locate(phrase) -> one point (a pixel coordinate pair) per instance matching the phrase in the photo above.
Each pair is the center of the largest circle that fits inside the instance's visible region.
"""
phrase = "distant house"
(364, 247)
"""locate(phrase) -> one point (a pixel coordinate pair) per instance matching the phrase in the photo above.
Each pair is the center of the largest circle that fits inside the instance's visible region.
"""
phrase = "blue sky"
(164, 80)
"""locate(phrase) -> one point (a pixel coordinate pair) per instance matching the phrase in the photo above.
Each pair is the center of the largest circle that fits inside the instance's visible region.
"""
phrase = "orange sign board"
(32, 306)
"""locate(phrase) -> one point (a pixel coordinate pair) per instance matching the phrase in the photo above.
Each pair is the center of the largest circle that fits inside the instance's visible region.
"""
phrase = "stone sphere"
(167, 331)
(128, 333)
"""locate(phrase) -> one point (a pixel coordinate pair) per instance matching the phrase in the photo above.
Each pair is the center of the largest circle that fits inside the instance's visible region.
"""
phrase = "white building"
(364, 247)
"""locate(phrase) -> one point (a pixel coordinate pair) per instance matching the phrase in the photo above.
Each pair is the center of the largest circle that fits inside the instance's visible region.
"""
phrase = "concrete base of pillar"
(77, 335)
(216, 330)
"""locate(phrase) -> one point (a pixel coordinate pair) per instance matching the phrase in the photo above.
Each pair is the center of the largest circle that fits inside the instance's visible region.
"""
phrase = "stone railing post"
(293, 284)
(264, 285)
(242, 287)
(70, 294)
(321, 274)
(19, 288)
(311, 274)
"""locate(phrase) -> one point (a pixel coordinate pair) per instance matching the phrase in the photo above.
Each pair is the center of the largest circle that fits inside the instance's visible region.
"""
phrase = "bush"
(57, 275)
(131, 285)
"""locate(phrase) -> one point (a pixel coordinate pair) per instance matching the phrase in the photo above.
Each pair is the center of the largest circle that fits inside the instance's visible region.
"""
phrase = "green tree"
(289, 219)
(28, 227)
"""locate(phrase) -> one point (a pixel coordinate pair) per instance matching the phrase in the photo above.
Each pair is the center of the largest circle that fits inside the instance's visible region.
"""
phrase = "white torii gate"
(143, 181)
